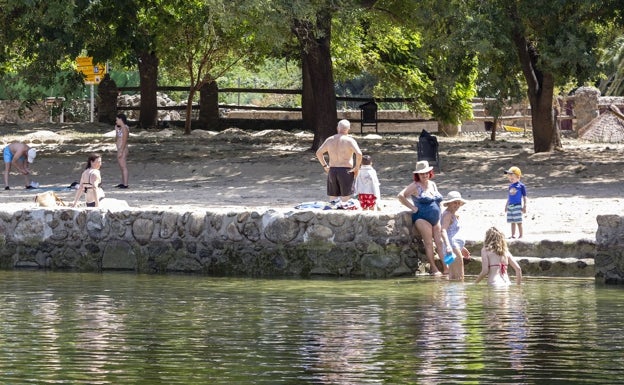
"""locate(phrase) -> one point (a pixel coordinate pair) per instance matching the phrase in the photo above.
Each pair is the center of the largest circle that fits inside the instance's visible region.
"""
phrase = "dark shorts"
(340, 182)
(92, 204)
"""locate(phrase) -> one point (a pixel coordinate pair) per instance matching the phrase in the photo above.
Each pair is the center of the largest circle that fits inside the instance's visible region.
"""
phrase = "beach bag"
(48, 199)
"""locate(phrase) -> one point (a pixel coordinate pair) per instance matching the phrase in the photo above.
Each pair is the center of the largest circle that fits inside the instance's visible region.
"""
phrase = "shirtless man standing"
(340, 170)
(16, 154)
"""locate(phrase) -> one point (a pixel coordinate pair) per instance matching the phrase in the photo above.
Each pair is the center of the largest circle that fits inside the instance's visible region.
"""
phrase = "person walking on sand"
(367, 185)
(451, 235)
(122, 132)
(340, 170)
(495, 257)
(18, 154)
(423, 199)
(516, 200)
(90, 182)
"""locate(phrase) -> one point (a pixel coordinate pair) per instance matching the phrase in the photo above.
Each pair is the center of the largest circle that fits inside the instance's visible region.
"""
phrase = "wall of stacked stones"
(249, 243)
(609, 260)
(276, 243)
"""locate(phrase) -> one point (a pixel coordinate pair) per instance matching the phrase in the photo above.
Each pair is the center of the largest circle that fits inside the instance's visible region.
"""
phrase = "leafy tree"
(552, 42)
(500, 82)
(127, 31)
(203, 39)
(310, 23)
(420, 50)
(39, 46)
(613, 60)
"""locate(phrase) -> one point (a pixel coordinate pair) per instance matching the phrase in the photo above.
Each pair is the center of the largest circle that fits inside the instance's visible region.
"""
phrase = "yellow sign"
(93, 73)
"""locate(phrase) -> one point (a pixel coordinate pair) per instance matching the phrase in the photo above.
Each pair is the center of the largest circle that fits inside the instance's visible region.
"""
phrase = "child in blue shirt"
(516, 200)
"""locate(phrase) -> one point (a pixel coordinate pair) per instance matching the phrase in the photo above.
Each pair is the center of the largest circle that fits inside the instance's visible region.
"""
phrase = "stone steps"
(544, 267)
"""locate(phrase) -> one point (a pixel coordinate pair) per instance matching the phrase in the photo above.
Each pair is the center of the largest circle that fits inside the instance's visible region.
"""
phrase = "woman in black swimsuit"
(90, 182)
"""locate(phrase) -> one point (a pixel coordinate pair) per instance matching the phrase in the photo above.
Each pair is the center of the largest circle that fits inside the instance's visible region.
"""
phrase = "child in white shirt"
(367, 184)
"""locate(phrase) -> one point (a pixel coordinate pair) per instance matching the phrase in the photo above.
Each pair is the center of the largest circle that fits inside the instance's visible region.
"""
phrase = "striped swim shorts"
(514, 214)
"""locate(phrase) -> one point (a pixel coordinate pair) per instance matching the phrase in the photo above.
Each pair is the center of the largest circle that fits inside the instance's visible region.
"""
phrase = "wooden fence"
(515, 114)
(339, 99)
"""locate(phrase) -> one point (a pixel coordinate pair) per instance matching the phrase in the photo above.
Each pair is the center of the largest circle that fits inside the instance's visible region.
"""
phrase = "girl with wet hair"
(495, 258)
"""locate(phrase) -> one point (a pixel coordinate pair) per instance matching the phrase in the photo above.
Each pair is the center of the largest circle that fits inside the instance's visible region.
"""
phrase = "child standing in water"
(495, 257)
(367, 184)
(453, 241)
(516, 200)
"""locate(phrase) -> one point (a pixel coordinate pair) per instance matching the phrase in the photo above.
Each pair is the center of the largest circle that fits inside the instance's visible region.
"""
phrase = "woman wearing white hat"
(423, 198)
(451, 235)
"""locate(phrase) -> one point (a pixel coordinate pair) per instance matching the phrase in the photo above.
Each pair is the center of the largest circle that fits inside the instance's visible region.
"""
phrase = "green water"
(70, 328)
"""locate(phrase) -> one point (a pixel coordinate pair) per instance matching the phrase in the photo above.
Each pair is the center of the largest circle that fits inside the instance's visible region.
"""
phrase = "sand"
(239, 170)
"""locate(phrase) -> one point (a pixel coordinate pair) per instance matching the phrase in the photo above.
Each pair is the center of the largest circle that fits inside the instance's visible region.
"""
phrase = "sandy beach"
(240, 170)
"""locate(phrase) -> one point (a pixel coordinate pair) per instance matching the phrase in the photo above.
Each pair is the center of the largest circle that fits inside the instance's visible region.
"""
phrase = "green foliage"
(567, 35)
(612, 58)
(272, 73)
(66, 84)
(440, 52)
(38, 43)
(204, 38)
(119, 30)
(425, 56)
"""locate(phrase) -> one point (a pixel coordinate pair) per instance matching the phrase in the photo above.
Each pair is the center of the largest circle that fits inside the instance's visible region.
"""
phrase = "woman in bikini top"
(90, 182)
(495, 258)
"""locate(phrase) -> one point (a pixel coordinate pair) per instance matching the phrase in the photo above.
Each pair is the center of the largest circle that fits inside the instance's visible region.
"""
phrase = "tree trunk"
(540, 91)
(494, 126)
(448, 129)
(189, 111)
(148, 73)
(307, 101)
(545, 134)
(209, 106)
(319, 96)
(107, 100)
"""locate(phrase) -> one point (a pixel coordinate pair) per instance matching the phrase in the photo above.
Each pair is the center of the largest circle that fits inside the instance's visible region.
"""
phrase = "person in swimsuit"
(90, 182)
(16, 154)
(451, 235)
(495, 258)
(423, 199)
(122, 131)
(341, 172)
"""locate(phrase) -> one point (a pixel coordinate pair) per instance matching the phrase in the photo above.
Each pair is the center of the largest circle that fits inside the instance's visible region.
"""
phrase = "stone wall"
(276, 243)
(609, 260)
(248, 243)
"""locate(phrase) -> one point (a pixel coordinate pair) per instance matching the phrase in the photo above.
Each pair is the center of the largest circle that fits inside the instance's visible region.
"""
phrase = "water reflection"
(66, 328)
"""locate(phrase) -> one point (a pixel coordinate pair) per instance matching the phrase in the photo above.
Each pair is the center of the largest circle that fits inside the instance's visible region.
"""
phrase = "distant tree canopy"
(551, 43)
(439, 52)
